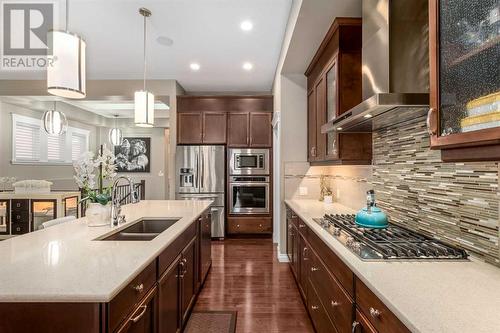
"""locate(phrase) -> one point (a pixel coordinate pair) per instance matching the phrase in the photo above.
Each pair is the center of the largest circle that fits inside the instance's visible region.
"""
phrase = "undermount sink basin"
(142, 230)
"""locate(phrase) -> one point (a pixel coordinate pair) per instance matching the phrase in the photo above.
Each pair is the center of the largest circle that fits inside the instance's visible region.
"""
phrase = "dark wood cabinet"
(261, 132)
(188, 279)
(205, 246)
(238, 129)
(214, 127)
(335, 298)
(169, 310)
(143, 318)
(189, 128)
(463, 119)
(4, 217)
(334, 86)
(250, 225)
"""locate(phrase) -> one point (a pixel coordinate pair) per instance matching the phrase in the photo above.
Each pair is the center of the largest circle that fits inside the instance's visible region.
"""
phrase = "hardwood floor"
(246, 277)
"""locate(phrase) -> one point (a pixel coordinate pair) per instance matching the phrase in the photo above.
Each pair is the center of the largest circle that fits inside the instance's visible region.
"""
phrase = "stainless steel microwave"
(248, 161)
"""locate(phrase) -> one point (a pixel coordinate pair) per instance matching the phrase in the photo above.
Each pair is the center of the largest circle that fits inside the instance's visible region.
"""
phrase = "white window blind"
(31, 145)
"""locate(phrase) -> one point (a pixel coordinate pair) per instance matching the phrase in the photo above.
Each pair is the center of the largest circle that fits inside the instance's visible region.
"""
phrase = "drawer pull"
(139, 316)
(355, 325)
(314, 269)
(139, 288)
(374, 313)
(314, 307)
(302, 225)
(334, 303)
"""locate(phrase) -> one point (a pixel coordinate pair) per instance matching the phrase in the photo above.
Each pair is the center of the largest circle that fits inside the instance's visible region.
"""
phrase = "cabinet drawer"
(19, 228)
(319, 316)
(174, 249)
(20, 205)
(123, 303)
(376, 311)
(250, 225)
(20, 216)
(303, 228)
(337, 303)
(143, 316)
(362, 325)
(334, 264)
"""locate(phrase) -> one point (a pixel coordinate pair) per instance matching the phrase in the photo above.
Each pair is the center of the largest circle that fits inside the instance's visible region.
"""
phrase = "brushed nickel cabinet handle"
(355, 325)
(139, 316)
(374, 313)
(314, 269)
(302, 225)
(314, 307)
(334, 303)
(139, 288)
(431, 124)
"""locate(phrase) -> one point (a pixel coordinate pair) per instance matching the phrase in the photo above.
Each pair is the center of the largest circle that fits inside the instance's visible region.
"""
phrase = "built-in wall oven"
(249, 194)
(248, 161)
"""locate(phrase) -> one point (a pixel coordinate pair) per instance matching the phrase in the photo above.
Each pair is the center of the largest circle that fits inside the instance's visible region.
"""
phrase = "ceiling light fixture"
(143, 99)
(339, 128)
(367, 116)
(195, 66)
(54, 122)
(66, 69)
(246, 25)
(116, 135)
(247, 66)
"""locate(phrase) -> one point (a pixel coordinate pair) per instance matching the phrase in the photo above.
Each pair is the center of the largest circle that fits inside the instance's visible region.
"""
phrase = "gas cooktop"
(391, 243)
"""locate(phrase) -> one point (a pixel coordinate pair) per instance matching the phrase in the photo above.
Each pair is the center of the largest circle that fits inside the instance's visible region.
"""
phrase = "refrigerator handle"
(202, 173)
(197, 172)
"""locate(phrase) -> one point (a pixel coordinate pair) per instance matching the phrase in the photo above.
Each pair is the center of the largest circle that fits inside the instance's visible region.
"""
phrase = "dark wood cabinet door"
(143, 318)
(214, 127)
(320, 91)
(189, 128)
(311, 125)
(238, 129)
(319, 317)
(289, 238)
(205, 246)
(4, 217)
(303, 265)
(261, 132)
(169, 314)
(188, 279)
(362, 325)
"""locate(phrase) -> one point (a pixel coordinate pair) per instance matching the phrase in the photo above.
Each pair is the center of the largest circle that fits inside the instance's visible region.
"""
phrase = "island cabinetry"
(143, 318)
(205, 247)
(169, 313)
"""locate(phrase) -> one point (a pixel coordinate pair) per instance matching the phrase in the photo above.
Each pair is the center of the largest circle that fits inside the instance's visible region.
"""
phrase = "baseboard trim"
(282, 257)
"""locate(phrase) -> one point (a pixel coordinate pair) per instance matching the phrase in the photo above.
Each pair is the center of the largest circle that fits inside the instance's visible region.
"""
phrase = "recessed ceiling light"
(339, 128)
(368, 116)
(247, 66)
(246, 25)
(195, 66)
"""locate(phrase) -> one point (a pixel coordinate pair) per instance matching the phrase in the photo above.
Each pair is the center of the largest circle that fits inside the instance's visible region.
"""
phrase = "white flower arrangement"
(85, 168)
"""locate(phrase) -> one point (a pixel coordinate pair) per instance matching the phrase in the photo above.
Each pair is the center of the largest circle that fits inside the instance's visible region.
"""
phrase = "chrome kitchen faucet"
(116, 206)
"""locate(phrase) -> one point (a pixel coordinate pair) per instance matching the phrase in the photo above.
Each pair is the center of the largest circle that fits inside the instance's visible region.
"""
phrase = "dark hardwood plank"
(246, 277)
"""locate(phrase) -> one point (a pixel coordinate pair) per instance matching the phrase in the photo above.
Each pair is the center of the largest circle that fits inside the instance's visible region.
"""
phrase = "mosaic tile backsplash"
(457, 202)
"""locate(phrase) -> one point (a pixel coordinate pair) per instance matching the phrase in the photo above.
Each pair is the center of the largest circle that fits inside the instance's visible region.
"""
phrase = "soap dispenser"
(371, 216)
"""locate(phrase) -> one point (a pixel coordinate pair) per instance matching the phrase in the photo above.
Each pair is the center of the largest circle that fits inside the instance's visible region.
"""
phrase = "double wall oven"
(249, 181)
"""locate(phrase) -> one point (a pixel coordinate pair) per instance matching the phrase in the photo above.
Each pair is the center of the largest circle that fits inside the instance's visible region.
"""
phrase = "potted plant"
(90, 169)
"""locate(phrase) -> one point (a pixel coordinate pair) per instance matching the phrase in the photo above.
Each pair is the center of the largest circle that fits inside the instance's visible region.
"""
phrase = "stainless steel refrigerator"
(200, 174)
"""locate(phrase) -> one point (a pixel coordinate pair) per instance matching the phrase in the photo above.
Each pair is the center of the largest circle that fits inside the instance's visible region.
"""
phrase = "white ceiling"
(203, 31)
(314, 20)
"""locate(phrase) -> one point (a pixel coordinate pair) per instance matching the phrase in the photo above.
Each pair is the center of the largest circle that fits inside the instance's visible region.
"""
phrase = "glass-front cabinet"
(4, 217)
(465, 78)
(42, 211)
(331, 110)
(70, 206)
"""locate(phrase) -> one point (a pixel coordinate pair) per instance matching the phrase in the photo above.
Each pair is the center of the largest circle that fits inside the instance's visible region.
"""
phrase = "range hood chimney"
(395, 64)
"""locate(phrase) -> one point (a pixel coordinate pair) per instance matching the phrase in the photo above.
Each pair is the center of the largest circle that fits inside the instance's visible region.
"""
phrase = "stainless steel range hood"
(395, 65)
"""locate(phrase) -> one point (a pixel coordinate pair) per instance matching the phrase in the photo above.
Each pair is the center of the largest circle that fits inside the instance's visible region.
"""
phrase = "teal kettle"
(371, 216)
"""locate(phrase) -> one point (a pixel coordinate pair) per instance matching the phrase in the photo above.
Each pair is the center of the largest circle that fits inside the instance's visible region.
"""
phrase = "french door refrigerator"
(200, 175)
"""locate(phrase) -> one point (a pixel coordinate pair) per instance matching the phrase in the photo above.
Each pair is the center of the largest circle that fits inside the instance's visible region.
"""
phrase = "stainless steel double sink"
(142, 230)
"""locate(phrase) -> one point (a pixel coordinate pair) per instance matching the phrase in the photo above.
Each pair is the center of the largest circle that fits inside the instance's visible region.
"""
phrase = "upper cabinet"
(334, 86)
(464, 118)
(238, 121)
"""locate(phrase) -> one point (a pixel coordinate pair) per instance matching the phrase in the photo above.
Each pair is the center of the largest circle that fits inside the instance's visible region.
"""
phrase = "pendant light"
(54, 122)
(66, 69)
(144, 100)
(116, 135)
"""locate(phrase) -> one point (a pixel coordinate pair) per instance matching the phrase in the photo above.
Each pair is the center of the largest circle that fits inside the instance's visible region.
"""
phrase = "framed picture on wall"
(133, 155)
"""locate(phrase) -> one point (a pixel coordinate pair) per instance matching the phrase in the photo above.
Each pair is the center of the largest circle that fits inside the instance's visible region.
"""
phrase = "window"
(31, 145)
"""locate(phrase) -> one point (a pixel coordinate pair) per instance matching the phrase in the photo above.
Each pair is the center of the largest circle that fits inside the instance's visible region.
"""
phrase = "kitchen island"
(66, 278)
(389, 296)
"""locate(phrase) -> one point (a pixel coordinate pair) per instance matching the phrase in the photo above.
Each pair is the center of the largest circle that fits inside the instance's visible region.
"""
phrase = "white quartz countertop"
(50, 195)
(429, 296)
(65, 263)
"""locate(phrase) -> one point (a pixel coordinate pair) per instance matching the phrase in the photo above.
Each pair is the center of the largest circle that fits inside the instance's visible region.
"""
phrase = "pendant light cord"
(144, 53)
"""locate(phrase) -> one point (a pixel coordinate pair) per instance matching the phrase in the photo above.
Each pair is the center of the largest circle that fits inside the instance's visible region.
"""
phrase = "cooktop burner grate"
(393, 242)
